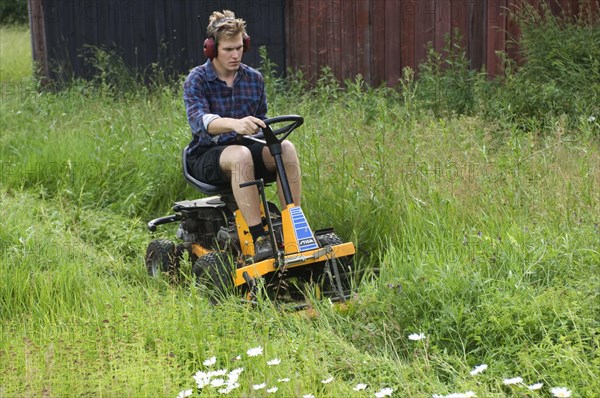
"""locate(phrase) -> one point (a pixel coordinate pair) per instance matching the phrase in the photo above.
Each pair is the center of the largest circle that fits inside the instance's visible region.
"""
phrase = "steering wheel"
(269, 136)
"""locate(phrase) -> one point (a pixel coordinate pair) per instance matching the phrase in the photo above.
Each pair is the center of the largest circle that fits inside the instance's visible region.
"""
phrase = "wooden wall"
(374, 38)
(168, 33)
(377, 38)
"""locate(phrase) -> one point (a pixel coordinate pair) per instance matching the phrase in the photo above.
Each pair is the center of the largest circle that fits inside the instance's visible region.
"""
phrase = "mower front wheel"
(160, 257)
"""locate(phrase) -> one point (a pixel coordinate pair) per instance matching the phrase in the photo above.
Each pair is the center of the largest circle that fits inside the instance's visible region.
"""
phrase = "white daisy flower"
(360, 387)
(274, 361)
(514, 380)
(259, 386)
(184, 393)
(237, 371)
(561, 392)
(210, 361)
(591, 119)
(283, 380)
(254, 352)
(217, 382)
(202, 379)
(478, 369)
(384, 392)
(416, 336)
(217, 373)
(234, 375)
(327, 381)
(272, 390)
(535, 386)
(308, 396)
(228, 388)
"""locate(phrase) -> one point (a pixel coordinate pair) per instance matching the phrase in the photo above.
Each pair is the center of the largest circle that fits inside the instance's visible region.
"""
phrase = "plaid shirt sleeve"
(204, 93)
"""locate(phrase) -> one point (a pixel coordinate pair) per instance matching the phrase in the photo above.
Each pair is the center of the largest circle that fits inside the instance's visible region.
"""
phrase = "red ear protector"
(210, 46)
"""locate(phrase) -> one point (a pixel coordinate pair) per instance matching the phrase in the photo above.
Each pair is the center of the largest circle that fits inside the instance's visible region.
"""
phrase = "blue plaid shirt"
(204, 93)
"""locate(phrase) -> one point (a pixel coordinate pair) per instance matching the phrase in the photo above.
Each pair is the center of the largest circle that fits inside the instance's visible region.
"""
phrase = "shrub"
(560, 73)
(13, 12)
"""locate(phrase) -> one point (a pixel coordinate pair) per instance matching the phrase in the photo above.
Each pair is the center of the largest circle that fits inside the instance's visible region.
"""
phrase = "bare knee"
(236, 162)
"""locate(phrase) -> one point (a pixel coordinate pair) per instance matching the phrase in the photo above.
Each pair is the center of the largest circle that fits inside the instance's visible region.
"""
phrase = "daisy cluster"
(560, 392)
(224, 381)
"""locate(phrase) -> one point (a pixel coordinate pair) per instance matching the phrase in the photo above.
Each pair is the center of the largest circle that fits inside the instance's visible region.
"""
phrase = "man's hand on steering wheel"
(248, 125)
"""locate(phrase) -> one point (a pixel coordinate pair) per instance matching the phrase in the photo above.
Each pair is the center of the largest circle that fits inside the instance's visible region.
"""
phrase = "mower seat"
(203, 187)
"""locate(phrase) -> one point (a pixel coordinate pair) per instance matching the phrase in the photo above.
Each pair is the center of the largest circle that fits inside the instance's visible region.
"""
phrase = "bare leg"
(236, 162)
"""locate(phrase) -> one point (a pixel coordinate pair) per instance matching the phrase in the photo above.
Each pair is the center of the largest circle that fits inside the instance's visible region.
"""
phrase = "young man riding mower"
(238, 236)
(225, 99)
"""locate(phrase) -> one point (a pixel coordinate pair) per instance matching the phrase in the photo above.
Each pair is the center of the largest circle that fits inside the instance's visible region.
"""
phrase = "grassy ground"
(487, 239)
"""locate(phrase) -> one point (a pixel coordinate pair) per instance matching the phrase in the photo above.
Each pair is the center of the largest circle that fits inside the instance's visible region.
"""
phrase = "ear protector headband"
(210, 44)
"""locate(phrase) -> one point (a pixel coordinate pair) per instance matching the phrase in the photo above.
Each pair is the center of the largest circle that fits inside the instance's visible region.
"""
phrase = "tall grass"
(485, 237)
(15, 54)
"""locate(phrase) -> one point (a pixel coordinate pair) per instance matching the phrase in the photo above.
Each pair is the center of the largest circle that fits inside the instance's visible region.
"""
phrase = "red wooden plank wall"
(377, 38)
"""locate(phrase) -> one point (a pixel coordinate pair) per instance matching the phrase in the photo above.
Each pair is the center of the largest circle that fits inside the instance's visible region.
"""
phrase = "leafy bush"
(13, 12)
(445, 81)
(560, 74)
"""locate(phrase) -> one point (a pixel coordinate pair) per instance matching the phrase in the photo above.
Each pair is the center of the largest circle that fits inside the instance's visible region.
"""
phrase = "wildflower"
(274, 361)
(535, 386)
(259, 386)
(210, 361)
(184, 394)
(254, 352)
(514, 380)
(560, 392)
(202, 379)
(283, 380)
(234, 375)
(468, 394)
(272, 390)
(360, 387)
(228, 388)
(478, 369)
(217, 373)
(327, 381)
(217, 382)
(308, 396)
(591, 119)
(416, 336)
(237, 371)
(238, 358)
(384, 392)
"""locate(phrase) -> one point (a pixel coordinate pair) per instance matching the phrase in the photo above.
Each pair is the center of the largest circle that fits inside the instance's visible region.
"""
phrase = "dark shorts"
(204, 164)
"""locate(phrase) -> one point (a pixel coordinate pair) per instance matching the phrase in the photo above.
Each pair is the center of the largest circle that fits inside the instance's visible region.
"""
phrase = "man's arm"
(245, 126)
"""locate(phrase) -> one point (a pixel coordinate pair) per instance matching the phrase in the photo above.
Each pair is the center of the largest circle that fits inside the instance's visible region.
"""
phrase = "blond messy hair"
(224, 25)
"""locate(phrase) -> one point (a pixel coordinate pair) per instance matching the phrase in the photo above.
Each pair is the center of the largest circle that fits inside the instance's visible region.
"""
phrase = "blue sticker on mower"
(304, 236)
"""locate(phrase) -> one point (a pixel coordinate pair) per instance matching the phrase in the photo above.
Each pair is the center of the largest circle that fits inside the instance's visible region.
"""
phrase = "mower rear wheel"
(215, 271)
(160, 257)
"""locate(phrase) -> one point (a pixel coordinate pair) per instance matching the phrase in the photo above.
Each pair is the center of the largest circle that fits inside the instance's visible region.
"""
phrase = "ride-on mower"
(216, 237)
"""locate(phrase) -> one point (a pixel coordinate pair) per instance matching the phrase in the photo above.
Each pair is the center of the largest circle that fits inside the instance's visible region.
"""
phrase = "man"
(225, 99)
